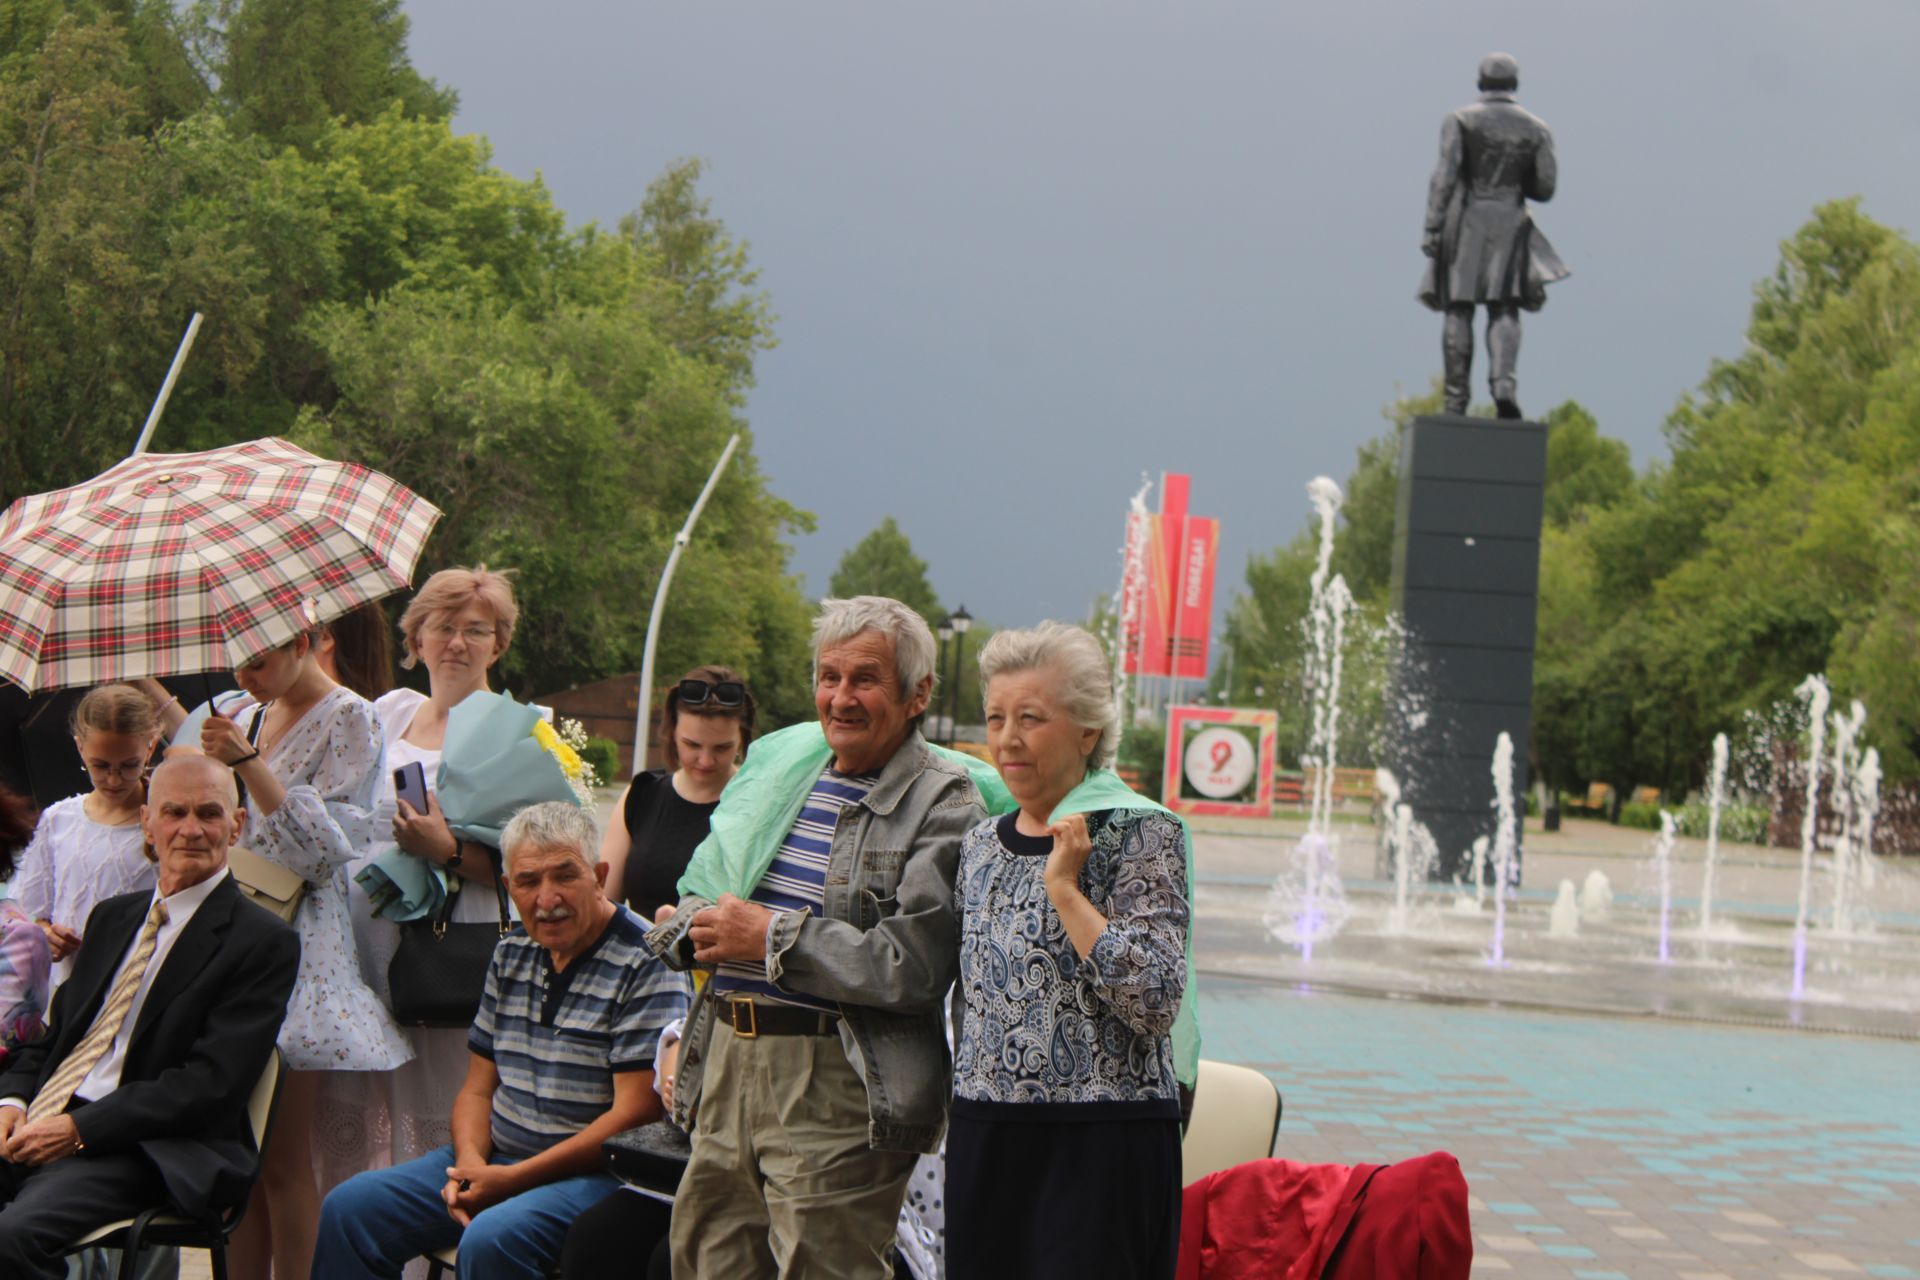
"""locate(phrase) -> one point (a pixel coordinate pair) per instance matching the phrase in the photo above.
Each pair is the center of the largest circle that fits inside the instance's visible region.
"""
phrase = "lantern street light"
(960, 622)
(945, 632)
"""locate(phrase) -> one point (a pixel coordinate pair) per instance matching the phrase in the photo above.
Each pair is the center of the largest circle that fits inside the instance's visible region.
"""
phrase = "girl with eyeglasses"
(88, 848)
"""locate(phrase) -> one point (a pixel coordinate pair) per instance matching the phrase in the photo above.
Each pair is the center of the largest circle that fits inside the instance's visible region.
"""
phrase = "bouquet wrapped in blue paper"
(499, 757)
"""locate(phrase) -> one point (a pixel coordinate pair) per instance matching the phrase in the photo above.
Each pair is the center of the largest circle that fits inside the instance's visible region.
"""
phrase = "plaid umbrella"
(183, 562)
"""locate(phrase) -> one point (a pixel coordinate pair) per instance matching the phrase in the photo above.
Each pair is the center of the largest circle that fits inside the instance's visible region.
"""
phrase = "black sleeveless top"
(664, 829)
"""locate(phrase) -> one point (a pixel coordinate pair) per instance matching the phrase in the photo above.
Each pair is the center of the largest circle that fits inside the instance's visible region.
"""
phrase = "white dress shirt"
(181, 906)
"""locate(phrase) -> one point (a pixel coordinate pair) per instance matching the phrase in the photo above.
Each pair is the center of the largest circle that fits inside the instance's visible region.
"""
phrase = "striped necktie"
(58, 1091)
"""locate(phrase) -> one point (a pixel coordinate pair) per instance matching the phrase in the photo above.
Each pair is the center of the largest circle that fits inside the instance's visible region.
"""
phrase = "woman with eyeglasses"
(457, 626)
(88, 848)
(705, 727)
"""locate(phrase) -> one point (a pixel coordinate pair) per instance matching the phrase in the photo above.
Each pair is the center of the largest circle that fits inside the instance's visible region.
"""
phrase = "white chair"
(156, 1226)
(1236, 1118)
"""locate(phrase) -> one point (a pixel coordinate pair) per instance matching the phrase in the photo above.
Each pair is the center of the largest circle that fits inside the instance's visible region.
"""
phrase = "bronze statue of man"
(1483, 246)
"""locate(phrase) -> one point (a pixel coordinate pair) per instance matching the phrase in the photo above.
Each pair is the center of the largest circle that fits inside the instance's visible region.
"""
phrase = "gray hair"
(553, 824)
(1085, 687)
(913, 653)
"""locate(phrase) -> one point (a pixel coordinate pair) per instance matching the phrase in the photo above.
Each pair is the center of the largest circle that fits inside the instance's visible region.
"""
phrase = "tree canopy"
(883, 564)
(375, 289)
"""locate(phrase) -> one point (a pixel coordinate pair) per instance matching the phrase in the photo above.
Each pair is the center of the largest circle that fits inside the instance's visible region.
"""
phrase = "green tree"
(1585, 470)
(287, 68)
(381, 292)
(883, 564)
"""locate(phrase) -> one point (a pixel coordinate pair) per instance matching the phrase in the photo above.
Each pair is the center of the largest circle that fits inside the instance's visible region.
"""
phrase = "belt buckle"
(734, 1005)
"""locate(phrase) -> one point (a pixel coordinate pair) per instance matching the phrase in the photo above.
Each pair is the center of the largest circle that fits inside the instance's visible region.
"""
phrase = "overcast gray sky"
(1024, 250)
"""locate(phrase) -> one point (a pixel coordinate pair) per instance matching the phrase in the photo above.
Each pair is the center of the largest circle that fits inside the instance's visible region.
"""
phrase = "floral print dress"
(329, 761)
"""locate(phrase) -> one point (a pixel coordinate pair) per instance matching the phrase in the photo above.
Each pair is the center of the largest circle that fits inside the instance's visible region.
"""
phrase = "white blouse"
(73, 864)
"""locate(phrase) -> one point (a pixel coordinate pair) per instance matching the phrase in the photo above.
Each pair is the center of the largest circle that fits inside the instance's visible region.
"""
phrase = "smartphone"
(410, 784)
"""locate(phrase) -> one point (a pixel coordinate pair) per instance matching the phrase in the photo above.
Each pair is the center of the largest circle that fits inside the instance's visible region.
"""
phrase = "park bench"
(1599, 800)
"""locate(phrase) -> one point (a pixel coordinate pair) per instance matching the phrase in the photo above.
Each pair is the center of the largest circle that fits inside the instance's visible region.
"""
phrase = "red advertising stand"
(1220, 761)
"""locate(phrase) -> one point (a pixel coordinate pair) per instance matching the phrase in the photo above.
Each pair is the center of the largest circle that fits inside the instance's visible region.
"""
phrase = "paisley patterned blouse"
(1041, 1025)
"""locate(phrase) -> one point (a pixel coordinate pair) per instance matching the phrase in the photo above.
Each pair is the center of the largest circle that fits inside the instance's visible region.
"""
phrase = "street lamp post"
(945, 632)
(960, 621)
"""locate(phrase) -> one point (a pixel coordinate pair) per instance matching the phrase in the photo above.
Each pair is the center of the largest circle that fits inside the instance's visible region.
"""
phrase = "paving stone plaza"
(1595, 1144)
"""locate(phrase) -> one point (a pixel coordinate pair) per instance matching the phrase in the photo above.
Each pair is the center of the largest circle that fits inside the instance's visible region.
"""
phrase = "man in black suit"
(138, 1091)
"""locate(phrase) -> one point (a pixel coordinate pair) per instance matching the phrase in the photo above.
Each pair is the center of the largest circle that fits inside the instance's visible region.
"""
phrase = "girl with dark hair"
(356, 649)
(705, 726)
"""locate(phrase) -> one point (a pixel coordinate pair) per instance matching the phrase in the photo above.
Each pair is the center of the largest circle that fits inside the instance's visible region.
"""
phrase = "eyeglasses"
(722, 693)
(142, 770)
(475, 635)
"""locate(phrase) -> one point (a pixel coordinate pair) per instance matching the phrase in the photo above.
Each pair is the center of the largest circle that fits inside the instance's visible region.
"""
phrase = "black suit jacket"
(204, 1032)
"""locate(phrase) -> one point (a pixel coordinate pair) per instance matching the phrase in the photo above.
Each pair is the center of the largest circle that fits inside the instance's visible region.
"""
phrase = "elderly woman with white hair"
(1063, 1153)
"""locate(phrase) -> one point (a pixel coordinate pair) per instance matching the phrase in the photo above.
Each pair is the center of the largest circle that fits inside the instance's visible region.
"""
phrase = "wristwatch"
(459, 848)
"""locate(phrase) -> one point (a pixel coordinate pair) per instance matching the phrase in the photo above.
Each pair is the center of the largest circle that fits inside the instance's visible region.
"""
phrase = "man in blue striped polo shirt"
(815, 1066)
(562, 1059)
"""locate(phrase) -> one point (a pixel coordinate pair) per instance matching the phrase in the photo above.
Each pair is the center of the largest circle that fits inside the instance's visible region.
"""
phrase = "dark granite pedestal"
(1466, 576)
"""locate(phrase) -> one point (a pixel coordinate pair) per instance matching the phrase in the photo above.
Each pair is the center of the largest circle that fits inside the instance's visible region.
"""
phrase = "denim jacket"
(886, 947)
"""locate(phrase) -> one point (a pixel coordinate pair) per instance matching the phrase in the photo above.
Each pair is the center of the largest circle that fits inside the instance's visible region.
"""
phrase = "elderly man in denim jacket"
(815, 1065)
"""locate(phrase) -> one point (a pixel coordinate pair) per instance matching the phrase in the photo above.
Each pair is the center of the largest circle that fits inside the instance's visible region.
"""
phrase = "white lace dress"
(329, 761)
(371, 1122)
(73, 864)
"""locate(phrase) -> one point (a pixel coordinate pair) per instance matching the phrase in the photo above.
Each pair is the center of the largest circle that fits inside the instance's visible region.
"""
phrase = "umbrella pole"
(166, 388)
(643, 719)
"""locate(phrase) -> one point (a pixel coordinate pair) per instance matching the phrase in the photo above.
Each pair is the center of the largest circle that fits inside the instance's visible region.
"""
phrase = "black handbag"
(439, 972)
(651, 1157)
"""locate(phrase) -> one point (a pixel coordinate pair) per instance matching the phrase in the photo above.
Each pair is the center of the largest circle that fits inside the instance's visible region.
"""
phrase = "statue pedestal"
(1466, 577)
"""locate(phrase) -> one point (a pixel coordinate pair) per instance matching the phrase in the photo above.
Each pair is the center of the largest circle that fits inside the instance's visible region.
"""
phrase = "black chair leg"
(218, 1252)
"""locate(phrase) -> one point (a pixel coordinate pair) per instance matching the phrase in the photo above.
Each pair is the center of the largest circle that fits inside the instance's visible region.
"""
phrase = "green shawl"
(765, 796)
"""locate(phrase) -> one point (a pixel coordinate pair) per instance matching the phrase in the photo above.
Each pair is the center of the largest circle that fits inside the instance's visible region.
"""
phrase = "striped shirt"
(797, 880)
(557, 1038)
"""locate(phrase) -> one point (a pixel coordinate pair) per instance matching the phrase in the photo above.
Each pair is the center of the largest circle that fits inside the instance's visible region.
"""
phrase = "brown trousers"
(782, 1182)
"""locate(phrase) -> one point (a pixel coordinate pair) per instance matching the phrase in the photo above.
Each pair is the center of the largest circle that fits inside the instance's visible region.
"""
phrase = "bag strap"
(444, 915)
(253, 740)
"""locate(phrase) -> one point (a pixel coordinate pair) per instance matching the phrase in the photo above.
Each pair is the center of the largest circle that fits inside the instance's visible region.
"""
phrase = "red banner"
(1167, 601)
(1193, 608)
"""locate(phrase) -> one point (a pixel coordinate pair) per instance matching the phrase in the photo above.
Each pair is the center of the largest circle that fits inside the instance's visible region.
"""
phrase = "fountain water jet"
(1564, 920)
(1663, 864)
(1505, 845)
(1462, 903)
(1320, 907)
(1716, 800)
(1596, 898)
(1128, 602)
(1818, 697)
(1867, 784)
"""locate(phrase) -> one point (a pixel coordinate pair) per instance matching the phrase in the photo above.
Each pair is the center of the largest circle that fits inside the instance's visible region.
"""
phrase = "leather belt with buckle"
(751, 1019)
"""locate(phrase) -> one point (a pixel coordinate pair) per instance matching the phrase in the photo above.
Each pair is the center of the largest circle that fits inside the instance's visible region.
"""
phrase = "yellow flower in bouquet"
(564, 744)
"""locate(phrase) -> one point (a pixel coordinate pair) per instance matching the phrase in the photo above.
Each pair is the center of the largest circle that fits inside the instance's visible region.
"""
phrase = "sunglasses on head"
(721, 693)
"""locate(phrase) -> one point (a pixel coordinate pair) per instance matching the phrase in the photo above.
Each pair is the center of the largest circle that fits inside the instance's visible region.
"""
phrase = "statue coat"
(1494, 157)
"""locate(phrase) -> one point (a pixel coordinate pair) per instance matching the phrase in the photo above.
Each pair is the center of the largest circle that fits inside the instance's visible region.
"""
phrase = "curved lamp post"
(642, 721)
